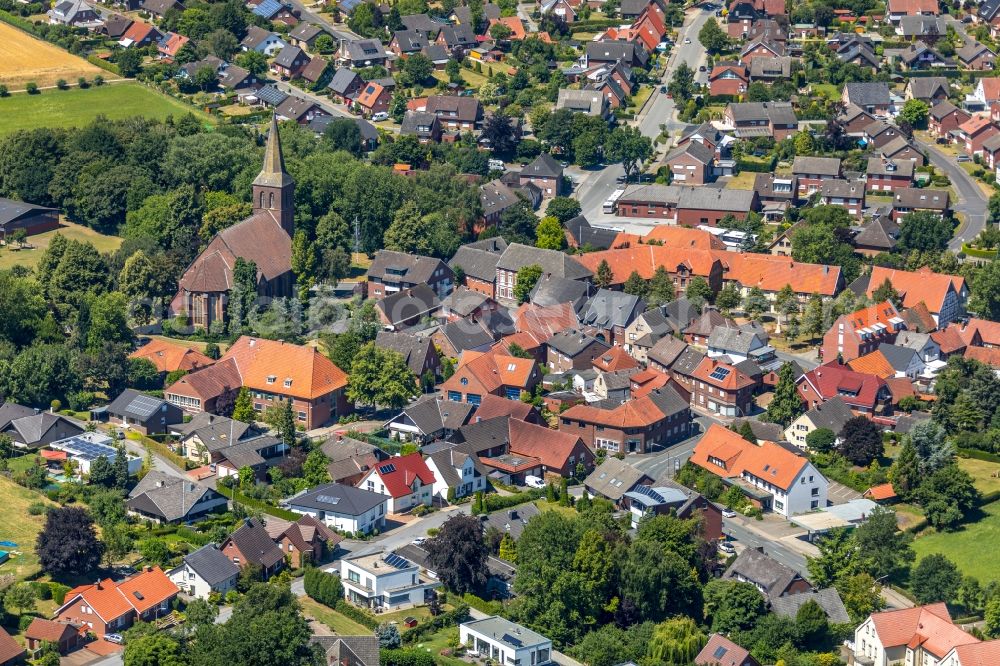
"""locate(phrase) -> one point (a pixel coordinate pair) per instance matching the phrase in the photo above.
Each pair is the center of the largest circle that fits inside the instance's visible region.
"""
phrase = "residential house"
(342, 507)
(429, 418)
(349, 650)
(728, 78)
(171, 356)
(360, 53)
(741, 344)
(918, 635)
(774, 119)
(902, 149)
(107, 607)
(384, 582)
(761, 48)
(855, 120)
(812, 172)
(456, 474)
(170, 45)
(772, 578)
(204, 572)
(456, 114)
(345, 85)
(828, 599)
(373, 98)
(860, 332)
(832, 415)
(139, 34)
(304, 35)
(478, 262)
(392, 272)
(773, 477)
(717, 387)
(910, 199)
(537, 450)
(632, 54)
(878, 236)
(500, 194)
(263, 41)
(299, 109)
(863, 393)
(274, 372)
(74, 13)
(974, 132)
(505, 642)
(161, 7)
(251, 546)
(975, 56)
(944, 118)
(239, 80)
(944, 295)
(405, 479)
(920, 56)
(456, 38)
(207, 432)
(402, 309)
(491, 373)
(929, 89)
(885, 175)
(770, 70)
(425, 126)
(926, 28)
(771, 274)
(573, 350)
(143, 413)
(879, 133)
(641, 425)
(662, 356)
(66, 637)
(873, 97)
(32, 429)
(613, 478)
(551, 291)
(165, 498)
(897, 9)
(654, 324)
(589, 102)
(848, 194)
(691, 164)
(720, 650)
(545, 173)
(609, 313)
(306, 542)
(517, 256)
(289, 62)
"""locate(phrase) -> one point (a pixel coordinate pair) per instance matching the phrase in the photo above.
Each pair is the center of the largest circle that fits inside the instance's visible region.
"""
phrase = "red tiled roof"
(733, 381)
(950, 339)
(734, 655)
(103, 597)
(927, 626)
(9, 648)
(644, 259)
(552, 447)
(882, 491)
(41, 629)
(369, 96)
(171, 356)
(874, 363)
(544, 321)
(112, 600)
(635, 413)
(767, 461)
(988, 355)
(491, 370)
(772, 273)
(979, 654)
(493, 406)
(831, 379)
(989, 332)
(991, 87)
(614, 359)
(913, 7)
(405, 470)
(977, 123)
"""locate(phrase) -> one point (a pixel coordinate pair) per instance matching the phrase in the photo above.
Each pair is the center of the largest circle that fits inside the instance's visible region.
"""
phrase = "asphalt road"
(339, 32)
(972, 202)
(774, 549)
(595, 186)
(323, 102)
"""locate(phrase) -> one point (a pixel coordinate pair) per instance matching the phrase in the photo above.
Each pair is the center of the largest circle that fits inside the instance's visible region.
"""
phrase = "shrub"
(37, 508)
(25, 621)
(31, 87)
(98, 80)
(406, 657)
(82, 82)
(61, 84)
(59, 592)
(3, 91)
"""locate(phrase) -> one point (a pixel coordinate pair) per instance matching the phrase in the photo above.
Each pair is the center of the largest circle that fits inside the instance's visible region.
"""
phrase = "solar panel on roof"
(510, 640)
(719, 373)
(144, 406)
(394, 560)
(387, 469)
(649, 492)
(720, 652)
(327, 499)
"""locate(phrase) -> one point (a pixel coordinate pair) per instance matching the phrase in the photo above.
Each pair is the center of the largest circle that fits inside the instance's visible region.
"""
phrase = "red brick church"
(264, 238)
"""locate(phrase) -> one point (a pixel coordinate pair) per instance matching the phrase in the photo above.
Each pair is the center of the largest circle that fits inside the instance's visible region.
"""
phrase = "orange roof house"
(944, 295)
(883, 492)
(978, 332)
(772, 272)
(645, 259)
(108, 607)
(614, 359)
(673, 236)
(491, 373)
(173, 43)
(874, 363)
(517, 31)
(172, 356)
(924, 634)
(273, 371)
(374, 98)
(544, 321)
(139, 34)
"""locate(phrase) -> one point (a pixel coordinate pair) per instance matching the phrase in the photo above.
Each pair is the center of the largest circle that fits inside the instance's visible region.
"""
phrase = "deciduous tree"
(68, 542)
(459, 554)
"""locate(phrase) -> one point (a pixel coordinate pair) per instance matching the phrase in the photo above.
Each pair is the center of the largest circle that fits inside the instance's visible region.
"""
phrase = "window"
(814, 504)
(302, 416)
(271, 379)
(815, 492)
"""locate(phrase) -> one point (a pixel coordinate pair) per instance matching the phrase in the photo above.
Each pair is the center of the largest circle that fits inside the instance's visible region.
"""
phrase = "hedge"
(18, 22)
(480, 604)
(237, 496)
(979, 254)
(406, 657)
(500, 502)
(323, 587)
(344, 607)
(59, 592)
(104, 64)
(755, 166)
(593, 24)
(976, 454)
(450, 619)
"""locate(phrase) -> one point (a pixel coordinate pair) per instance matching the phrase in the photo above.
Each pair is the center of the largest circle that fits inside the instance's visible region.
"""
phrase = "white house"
(832, 415)
(460, 472)
(405, 479)
(205, 571)
(736, 343)
(87, 447)
(384, 581)
(973, 654)
(344, 508)
(263, 41)
(922, 635)
(505, 642)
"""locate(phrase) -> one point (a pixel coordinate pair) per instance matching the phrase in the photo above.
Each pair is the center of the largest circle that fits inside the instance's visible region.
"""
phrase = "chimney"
(147, 569)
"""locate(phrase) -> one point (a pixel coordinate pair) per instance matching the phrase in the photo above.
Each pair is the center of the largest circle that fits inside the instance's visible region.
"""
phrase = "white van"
(380, 116)
(496, 165)
(534, 482)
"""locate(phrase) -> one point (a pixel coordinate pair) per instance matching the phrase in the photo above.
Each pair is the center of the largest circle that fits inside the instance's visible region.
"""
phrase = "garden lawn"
(437, 642)
(966, 547)
(338, 623)
(29, 258)
(984, 474)
(21, 464)
(742, 181)
(19, 526)
(77, 107)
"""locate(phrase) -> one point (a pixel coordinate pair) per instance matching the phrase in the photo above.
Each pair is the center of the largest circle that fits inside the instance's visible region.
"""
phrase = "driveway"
(972, 203)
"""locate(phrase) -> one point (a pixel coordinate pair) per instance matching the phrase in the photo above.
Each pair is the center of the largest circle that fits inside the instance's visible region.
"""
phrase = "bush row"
(269, 509)
(406, 657)
(480, 604)
(450, 619)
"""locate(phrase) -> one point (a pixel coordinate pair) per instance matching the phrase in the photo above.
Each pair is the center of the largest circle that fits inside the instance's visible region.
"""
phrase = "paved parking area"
(838, 493)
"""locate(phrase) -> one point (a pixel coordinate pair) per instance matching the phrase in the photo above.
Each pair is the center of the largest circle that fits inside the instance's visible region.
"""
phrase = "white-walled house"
(920, 636)
(205, 571)
(832, 415)
(344, 508)
(505, 642)
(405, 479)
(384, 581)
(456, 471)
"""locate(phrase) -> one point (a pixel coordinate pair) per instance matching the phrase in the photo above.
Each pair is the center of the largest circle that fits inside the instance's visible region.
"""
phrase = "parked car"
(963, 158)
(114, 638)
(728, 513)
(419, 541)
(663, 90)
(534, 482)
(727, 548)
(687, 40)
(380, 116)
(701, 68)
(496, 165)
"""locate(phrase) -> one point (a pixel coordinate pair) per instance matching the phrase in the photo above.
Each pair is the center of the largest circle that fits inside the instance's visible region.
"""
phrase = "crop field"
(25, 58)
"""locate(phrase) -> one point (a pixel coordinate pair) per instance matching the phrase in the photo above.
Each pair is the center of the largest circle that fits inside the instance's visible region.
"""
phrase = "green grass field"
(19, 526)
(966, 547)
(76, 107)
(985, 475)
(10, 257)
(338, 623)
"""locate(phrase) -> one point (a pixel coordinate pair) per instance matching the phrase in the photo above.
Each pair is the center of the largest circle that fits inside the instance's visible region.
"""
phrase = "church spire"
(273, 173)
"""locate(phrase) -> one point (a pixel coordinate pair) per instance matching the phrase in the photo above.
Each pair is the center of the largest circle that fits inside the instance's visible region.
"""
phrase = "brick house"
(492, 373)
(886, 175)
(252, 546)
(553, 262)
(392, 272)
(478, 264)
(774, 119)
(909, 199)
(273, 372)
(863, 393)
(545, 173)
(943, 295)
(691, 164)
(975, 56)
(373, 98)
(107, 607)
(861, 332)
(456, 114)
(572, 350)
(660, 418)
(812, 172)
(65, 636)
(682, 264)
(290, 62)
(945, 117)
(848, 194)
(974, 133)
(718, 387)
(728, 78)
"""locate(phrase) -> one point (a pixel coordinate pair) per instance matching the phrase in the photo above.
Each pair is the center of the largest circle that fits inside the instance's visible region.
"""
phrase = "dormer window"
(271, 379)
(288, 382)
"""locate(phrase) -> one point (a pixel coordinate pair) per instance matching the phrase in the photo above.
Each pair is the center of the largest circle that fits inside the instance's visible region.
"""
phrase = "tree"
(821, 440)
(804, 144)
(698, 290)
(923, 230)
(915, 112)
(886, 292)
(286, 424)
(861, 441)
(728, 297)
(813, 321)
(499, 132)
(315, 470)
(746, 432)
(681, 86)
(388, 636)
(418, 67)
(129, 62)
(635, 285)
(563, 208)
(243, 296)
(68, 542)
(154, 551)
(153, 649)
(812, 626)
(604, 276)
(305, 261)
(786, 403)
(343, 134)
(991, 617)
(243, 407)
(861, 596)
(985, 288)
(661, 288)
(101, 473)
(459, 554)
(118, 542)
(508, 550)
(732, 605)
(676, 641)
(525, 280)
(20, 598)
(109, 321)
(881, 548)
(200, 613)
(517, 224)
(935, 578)
(712, 37)
(380, 377)
(755, 304)
(657, 584)
(626, 144)
(549, 234)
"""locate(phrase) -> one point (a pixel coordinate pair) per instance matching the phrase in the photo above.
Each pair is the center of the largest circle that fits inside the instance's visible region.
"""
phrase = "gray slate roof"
(828, 599)
(551, 290)
(134, 404)
(572, 342)
(414, 350)
(256, 545)
(10, 411)
(287, 56)
(824, 166)
(770, 432)
(31, 430)
(560, 264)
(587, 235)
(770, 574)
(511, 521)
(165, 495)
(733, 339)
(899, 357)
(612, 308)
(432, 415)
(215, 432)
(667, 350)
(476, 263)
(337, 497)
(354, 650)
(832, 415)
(613, 478)
(864, 93)
(209, 563)
(543, 166)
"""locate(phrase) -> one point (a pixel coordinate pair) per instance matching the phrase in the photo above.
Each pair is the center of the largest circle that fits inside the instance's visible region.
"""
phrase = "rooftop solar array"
(85, 450)
(719, 373)
(511, 640)
(267, 9)
(387, 469)
(394, 560)
(327, 499)
(649, 492)
(144, 406)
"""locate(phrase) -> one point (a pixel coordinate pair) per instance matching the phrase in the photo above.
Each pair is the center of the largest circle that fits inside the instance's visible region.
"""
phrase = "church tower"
(273, 188)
